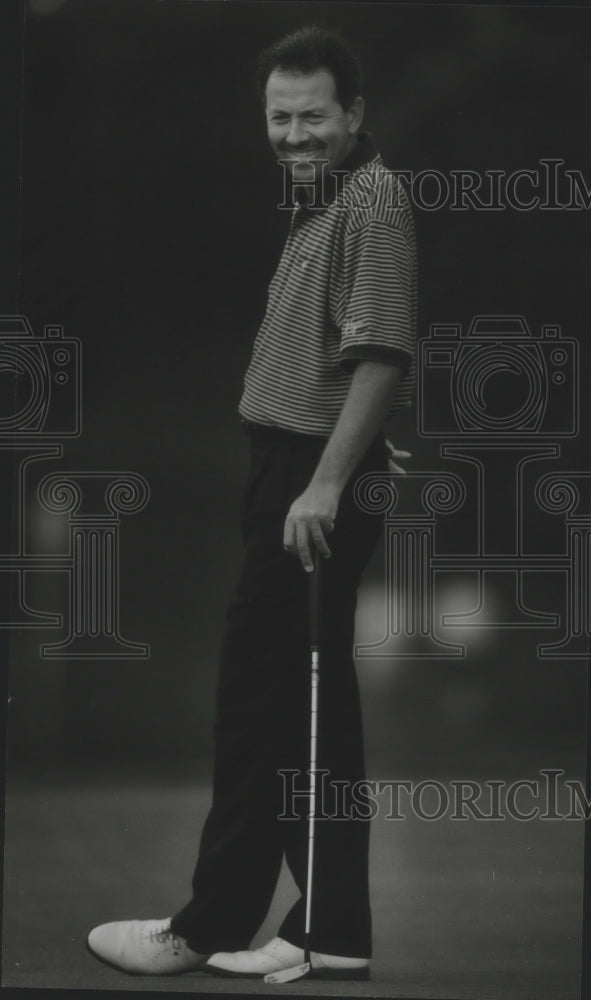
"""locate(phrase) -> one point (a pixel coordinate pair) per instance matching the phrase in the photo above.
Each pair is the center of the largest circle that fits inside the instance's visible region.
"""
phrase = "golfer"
(332, 361)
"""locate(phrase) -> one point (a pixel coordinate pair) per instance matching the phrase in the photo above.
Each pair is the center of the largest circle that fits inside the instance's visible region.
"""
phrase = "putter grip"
(315, 602)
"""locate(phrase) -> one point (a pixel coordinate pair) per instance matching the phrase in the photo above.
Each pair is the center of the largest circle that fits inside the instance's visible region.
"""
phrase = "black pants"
(262, 723)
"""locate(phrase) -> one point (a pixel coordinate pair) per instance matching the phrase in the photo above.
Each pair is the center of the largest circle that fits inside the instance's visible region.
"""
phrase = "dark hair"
(308, 49)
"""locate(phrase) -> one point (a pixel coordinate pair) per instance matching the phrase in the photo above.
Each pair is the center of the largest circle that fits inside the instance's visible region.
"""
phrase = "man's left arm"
(312, 515)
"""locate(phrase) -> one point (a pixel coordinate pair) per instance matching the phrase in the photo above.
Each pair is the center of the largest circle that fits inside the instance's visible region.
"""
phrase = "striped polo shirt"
(345, 290)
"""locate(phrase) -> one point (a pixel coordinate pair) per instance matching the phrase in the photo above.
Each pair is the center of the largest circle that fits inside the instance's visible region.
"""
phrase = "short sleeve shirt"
(345, 290)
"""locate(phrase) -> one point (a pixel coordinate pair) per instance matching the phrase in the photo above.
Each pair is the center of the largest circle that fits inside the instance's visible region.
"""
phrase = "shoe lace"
(274, 947)
(166, 936)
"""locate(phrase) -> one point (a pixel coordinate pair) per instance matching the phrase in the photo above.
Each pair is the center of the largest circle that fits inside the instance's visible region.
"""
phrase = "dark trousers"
(262, 724)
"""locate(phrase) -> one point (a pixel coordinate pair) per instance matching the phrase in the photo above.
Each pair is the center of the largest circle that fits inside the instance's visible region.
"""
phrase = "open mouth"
(307, 154)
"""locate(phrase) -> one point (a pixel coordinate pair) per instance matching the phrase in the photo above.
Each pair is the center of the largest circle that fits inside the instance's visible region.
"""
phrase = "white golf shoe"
(143, 947)
(278, 955)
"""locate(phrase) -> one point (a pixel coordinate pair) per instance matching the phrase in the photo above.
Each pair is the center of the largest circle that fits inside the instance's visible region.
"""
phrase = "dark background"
(149, 231)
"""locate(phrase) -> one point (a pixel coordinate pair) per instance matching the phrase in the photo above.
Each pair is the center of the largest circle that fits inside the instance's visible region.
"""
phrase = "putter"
(299, 971)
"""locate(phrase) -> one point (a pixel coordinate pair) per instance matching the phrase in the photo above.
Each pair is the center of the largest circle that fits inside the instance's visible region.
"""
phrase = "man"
(331, 361)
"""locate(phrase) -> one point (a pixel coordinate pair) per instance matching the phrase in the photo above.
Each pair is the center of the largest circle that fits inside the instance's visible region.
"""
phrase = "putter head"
(288, 975)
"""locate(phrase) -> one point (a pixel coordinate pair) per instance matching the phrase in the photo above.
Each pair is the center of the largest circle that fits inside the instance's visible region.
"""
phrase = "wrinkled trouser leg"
(262, 725)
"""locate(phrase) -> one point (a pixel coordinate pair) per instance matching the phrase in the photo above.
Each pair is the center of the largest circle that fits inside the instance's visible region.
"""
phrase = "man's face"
(306, 122)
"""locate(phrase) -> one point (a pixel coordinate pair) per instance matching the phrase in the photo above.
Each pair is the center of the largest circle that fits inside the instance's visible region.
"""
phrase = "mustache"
(300, 149)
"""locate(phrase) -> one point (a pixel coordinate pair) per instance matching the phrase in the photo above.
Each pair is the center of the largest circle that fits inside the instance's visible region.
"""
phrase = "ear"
(355, 115)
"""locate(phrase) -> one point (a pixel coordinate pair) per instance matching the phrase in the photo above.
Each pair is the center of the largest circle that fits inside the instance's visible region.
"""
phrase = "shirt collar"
(316, 197)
